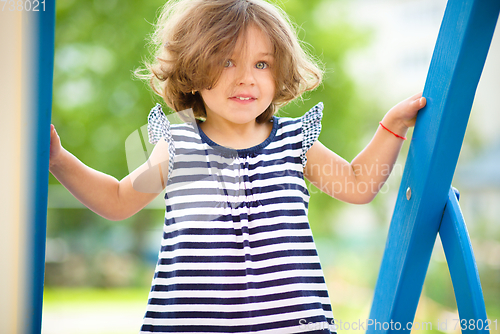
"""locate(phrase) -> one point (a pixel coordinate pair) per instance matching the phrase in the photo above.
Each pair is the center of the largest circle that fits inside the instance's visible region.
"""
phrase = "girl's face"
(246, 87)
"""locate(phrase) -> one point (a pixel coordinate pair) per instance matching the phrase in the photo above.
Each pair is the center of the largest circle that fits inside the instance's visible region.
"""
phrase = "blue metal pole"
(44, 65)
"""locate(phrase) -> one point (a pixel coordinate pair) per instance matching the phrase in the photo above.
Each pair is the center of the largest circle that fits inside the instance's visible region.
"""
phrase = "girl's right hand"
(102, 193)
(55, 146)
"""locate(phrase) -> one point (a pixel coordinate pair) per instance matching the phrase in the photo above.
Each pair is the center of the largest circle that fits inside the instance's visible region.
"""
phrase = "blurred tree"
(97, 104)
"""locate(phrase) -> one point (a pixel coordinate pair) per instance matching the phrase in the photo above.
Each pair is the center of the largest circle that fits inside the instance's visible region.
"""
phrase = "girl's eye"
(261, 65)
(228, 63)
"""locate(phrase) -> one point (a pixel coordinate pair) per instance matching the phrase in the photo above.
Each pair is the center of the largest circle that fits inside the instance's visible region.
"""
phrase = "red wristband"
(382, 125)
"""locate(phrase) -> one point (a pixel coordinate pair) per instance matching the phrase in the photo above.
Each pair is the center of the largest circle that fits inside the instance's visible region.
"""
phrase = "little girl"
(237, 254)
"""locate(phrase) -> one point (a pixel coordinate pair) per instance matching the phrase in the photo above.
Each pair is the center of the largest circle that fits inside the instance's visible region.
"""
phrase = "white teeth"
(243, 98)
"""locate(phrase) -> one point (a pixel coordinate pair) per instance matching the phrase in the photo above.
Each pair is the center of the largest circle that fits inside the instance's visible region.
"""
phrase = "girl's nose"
(245, 76)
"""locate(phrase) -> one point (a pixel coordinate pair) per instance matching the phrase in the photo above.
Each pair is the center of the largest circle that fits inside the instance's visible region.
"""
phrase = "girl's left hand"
(364, 171)
(407, 110)
(404, 114)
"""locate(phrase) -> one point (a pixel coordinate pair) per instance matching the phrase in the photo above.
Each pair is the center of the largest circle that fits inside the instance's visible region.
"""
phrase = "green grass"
(86, 296)
(93, 310)
(86, 307)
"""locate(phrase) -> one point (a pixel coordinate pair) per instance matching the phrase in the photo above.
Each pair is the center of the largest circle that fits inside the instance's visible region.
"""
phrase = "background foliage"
(98, 103)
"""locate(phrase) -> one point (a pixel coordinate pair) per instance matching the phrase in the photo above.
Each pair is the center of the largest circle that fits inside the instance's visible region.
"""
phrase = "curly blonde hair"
(194, 38)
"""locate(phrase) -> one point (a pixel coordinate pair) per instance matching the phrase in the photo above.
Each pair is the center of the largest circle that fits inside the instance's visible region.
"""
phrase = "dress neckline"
(251, 151)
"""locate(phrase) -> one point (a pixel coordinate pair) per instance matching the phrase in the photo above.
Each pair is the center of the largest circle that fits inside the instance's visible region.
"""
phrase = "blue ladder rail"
(44, 41)
(456, 66)
(463, 269)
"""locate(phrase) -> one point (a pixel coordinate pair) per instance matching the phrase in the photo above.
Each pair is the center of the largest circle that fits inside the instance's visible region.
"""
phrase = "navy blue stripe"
(201, 245)
(237, 232)
(231, 218)
(281, 240)
(283, 148)
(327, 307)
(203, 150)
(237, 258)
(279, 227)
(287, 121)
(237, 300)
(239, 286)
(256, 190)
(179, 137)
(288, 133)
(218, 162)
(228, 179)
(276, 162)
(238, 273)
(234, 245)
(237, 329)
(233, 315)
(222, 203)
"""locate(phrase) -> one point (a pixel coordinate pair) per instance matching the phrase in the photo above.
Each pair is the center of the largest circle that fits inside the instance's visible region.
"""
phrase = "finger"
(54, 136)
(53, 130)
(418, 103)
(423, 102)
(415, 97)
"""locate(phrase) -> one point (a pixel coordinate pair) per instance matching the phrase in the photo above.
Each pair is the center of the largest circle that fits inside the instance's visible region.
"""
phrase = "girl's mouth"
(243, 99)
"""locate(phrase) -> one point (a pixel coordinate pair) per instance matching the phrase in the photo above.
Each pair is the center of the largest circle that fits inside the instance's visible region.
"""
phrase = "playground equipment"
(26, 63)
(426, 204)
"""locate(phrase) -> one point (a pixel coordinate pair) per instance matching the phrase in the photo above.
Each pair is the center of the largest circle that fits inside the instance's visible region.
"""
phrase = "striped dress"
(237, 254)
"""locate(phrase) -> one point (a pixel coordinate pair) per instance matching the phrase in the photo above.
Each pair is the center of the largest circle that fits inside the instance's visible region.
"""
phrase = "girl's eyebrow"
(262, 54)
(259, 54)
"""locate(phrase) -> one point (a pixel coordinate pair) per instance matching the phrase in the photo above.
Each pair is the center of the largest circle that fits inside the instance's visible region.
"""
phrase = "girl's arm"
(103, 194)
(359, 181)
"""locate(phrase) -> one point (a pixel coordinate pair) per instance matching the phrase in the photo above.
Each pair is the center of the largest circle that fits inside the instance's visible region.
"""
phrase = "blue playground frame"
(426, 203)
(44, 67)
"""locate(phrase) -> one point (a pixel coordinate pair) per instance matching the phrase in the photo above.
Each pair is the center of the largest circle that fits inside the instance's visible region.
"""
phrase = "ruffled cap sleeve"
(158, 128)
(158, 125)
(311, 128)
